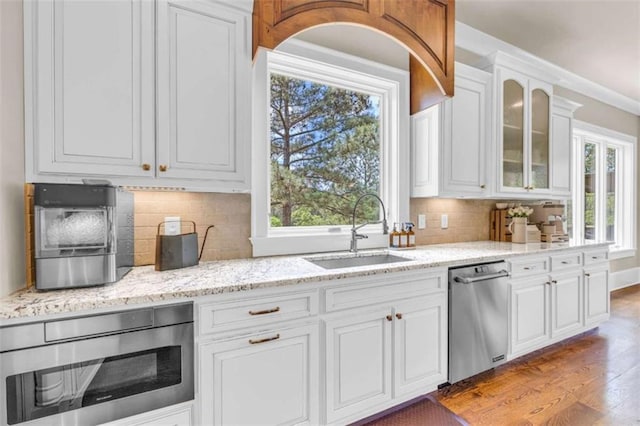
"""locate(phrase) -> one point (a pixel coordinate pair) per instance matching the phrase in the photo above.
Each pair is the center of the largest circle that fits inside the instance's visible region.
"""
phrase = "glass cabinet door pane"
(513, 134)
(540, 139)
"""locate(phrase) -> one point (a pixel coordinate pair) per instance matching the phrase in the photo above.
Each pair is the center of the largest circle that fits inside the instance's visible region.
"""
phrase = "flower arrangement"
(520, 211)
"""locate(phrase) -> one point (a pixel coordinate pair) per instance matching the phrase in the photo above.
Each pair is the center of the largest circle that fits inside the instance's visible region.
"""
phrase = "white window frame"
(307, 61)
(626, 216)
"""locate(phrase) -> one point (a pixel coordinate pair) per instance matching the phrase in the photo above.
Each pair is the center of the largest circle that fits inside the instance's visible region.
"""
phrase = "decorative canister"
(518, 228)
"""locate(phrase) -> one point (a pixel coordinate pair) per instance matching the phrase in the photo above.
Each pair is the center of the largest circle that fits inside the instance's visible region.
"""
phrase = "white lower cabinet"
(551, 303)
(379, 356)
(529, 313)
(596, 295)
(266, 378)
(566, 303)
(358, 361)
(177, 415)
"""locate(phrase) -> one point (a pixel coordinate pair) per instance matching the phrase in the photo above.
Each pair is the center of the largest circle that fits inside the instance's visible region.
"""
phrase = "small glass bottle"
(403, 237)
(394, 237)
(411, 236)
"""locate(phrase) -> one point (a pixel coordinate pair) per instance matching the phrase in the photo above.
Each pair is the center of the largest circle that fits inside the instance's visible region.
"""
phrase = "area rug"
(424, 410)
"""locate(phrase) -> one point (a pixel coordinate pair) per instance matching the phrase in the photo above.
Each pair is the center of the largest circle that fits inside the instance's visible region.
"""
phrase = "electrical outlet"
(444, 221)
(422, 221)
(172, 225)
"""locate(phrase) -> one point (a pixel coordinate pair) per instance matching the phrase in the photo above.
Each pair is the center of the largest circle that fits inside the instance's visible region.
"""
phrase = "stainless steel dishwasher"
(478, 329)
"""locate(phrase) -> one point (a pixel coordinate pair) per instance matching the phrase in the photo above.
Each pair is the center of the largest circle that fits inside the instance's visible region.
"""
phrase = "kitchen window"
(327, 128)
(604, 203)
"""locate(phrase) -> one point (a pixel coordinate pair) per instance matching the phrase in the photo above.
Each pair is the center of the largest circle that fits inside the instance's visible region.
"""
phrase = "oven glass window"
(55, 390)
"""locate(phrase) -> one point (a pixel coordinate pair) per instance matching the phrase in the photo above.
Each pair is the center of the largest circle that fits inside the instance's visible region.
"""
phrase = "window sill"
(621, 253)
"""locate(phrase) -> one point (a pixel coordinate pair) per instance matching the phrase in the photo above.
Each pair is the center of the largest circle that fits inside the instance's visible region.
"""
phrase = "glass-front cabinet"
(524, 141)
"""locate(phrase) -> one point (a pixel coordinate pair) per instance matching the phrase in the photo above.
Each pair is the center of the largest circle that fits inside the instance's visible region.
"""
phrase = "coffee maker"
(83, 234)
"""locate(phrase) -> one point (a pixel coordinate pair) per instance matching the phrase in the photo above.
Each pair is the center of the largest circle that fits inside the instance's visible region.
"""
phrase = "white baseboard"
(624, 278)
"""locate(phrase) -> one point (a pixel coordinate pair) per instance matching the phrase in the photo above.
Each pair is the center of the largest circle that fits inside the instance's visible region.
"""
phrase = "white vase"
(518, 228)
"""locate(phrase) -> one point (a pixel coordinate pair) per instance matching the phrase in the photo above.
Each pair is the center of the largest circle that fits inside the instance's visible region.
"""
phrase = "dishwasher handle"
(485, 277)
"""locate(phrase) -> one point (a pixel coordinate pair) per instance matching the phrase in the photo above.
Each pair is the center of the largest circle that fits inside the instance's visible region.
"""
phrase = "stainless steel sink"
(350, 262)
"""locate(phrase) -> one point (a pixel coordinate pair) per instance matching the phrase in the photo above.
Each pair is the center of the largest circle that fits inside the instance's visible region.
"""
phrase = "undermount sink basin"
(350, 262)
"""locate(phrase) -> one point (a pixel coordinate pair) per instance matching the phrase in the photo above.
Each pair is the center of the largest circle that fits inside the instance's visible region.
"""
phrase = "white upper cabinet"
(141, 92)
(465, 133)
(204, 60)
(532, 132)
(449, 140)
(89, 86)
(561, 136)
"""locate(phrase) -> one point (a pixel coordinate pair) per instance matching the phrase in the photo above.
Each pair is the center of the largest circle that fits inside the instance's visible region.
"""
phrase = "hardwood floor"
(591, 379)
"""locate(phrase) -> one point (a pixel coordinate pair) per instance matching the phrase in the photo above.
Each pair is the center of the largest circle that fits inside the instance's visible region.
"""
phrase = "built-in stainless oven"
(93, 369)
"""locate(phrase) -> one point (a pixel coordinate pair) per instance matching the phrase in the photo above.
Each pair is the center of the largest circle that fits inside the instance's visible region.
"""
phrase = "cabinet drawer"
(529, 266)
(596, 256)
(382, 290)
(224, 316)
(566, 261)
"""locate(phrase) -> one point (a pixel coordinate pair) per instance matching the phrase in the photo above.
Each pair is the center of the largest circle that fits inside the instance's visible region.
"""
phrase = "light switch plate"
(422, 221)
(444, 221)
(172, 225)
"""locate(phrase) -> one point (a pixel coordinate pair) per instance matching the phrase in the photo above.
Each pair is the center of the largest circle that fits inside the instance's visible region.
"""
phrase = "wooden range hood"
(424, 27)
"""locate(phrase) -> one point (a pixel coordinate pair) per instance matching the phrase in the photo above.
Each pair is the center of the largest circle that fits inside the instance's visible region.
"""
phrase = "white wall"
(12, 263)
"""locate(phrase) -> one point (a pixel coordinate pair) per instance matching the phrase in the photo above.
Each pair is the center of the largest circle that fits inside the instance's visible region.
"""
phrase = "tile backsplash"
(229, 213)
(468, 219)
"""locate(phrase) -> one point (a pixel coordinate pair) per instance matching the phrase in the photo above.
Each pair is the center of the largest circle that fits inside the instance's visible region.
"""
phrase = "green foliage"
(325, 152)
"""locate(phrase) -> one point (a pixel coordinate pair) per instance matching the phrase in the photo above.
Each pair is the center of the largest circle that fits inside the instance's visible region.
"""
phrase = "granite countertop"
(145, 285)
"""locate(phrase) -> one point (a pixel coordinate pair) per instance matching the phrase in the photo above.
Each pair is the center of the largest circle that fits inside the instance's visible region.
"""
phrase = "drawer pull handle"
(266, 339)
(587, 274)
(594, 257)
(564, 262)
(527, 268)
(266, 311)
(389, 318)
(548, 283)
(399, 315)
(554, 282)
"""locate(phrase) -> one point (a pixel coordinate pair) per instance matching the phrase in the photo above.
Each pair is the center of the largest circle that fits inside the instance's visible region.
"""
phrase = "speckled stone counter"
(145, 285)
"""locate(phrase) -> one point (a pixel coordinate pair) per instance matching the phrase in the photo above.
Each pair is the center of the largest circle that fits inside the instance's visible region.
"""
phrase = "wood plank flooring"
(591, 379)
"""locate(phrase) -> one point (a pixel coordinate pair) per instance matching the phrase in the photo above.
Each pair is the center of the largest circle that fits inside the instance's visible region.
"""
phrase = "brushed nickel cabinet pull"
(586, 274)
(389, 318)
(482, 186)
(548, 283)
(594, 257)
(146, 167)
(554, 281)
(266, 339)
(266, 311)
(162, 167)
(564, 262)
(399, 315)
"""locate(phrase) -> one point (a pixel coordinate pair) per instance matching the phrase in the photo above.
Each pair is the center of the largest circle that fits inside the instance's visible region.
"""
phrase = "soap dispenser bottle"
(404, 236)
(411, 236)
(394, 237)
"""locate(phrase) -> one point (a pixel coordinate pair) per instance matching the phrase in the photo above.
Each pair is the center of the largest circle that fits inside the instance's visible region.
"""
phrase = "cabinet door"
(425, 141)
(203, 92)
(539, 168)
(358, 362)
(561, 155)
(512, 130)
(464, 127)
(596, 295)
(269, 378)
(566, 303)
(420, 344)
(529, 313)
(89, 87)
